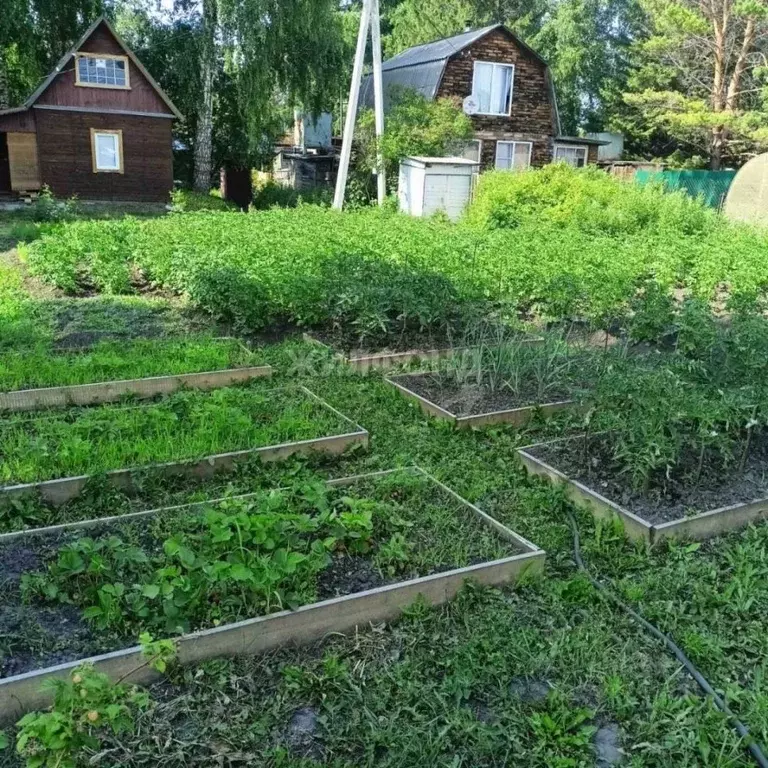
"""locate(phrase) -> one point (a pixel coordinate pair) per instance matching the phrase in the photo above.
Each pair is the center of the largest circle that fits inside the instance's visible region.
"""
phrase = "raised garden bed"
(728, 502)
(367, 547)
(187, 434)
(476, 406)
(203, 364)
(411, 350)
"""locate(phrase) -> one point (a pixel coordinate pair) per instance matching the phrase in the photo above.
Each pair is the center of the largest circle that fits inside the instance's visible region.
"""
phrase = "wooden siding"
(23, 162)
(66, 165)
(141, 97)
(20, 122)
(532, 117)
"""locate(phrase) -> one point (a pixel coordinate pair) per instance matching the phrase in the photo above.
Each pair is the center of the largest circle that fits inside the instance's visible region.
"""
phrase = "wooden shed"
(99, 127)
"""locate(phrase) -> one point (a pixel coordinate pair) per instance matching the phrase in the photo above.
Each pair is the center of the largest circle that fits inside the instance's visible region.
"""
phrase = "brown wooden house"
(514, 112)
(98, 127)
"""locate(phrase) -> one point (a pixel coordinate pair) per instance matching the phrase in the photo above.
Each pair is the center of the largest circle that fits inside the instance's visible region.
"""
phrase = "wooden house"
(513, 106)
(99, 127)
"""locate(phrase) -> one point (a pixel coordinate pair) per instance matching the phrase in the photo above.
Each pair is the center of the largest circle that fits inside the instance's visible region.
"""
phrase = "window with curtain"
(513, 155)
(107, 151)
(492, 87)
(575, 156)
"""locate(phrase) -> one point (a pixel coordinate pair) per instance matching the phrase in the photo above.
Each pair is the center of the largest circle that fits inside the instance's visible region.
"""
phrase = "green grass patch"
(184, 426)
(110, 360)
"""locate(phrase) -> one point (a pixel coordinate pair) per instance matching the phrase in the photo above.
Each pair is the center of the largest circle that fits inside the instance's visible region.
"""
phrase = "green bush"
(586, 199)
(585, 246)
(272, 195)
(185, 200)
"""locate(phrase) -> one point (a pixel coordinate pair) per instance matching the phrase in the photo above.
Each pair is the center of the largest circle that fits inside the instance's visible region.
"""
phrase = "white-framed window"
(107, 150)
(571, 154)
(513, 155)
(471, 149)
(492, 87)
(102, 70)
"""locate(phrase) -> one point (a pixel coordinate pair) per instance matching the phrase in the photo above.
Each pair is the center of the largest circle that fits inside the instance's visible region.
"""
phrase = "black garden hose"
(671, 646)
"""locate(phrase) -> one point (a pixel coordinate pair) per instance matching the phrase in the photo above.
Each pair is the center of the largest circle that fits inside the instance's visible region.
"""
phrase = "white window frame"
(95, 133)
(495, 64)
(579, 147)
(513, 142)
(112, 86)
(461, 144)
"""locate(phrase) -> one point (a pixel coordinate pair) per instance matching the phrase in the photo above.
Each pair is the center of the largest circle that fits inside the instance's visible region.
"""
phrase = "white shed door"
(446, 193)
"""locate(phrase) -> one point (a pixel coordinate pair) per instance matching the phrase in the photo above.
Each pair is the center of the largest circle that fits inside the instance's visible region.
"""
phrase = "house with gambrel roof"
(514, 107)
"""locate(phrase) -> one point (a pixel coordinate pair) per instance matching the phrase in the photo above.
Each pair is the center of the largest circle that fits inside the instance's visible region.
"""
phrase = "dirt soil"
(471, 400)
(37, 635)
(680, 498)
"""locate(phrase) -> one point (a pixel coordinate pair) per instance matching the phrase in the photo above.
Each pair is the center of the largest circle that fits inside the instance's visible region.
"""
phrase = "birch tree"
(274, 50)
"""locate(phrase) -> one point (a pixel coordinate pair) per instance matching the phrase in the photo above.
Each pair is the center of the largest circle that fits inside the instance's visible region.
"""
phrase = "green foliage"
(187, 425)
(413, 126)
(86, 255)
(554, 243)
(46, 208)
(246, 557)
(85, 708)
(584, 199)
(110, 360)
(185, 200)
(272, 195)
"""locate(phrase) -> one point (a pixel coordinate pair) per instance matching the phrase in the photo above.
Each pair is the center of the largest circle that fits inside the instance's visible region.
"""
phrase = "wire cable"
(671, 646)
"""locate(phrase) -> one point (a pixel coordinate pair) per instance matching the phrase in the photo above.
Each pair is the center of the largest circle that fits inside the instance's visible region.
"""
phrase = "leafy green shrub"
(83, 255)
(586, 199)
(47, 208)
(84, 706)
(185, 200)
(271, 195)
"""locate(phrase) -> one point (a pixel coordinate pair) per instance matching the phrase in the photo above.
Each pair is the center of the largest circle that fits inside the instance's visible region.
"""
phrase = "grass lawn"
(546, 674)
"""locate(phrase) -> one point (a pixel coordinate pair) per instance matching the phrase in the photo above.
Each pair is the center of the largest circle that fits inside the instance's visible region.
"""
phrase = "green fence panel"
(711, 186)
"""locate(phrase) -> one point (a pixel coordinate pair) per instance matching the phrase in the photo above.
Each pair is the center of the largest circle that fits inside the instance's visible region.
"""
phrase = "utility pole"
(378, 91)
(370, 9)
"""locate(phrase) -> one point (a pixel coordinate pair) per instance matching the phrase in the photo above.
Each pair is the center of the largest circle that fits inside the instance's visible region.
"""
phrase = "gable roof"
(76, 47)
(421, 67)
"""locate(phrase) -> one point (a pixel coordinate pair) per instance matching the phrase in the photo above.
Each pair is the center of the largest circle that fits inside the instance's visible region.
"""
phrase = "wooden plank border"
(385, 360)
(517, 417)
(110, 391)
(22, 693)
(696, 527)
(59, 491)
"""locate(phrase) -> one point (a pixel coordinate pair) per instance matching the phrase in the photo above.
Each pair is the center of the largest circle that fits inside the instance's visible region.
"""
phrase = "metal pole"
(378, 90)
(354, 95)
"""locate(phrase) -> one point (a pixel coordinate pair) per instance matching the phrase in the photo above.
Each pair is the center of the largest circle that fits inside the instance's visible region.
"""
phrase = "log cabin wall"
(66, 162)
(532, 117)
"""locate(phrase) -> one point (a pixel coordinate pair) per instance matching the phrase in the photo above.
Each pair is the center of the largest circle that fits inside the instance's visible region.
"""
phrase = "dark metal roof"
(439, 50)
(421, 68)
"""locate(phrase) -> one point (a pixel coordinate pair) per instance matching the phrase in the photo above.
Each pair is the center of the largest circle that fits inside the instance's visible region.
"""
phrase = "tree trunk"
(716, 151)
(4, 95)
(203, 144)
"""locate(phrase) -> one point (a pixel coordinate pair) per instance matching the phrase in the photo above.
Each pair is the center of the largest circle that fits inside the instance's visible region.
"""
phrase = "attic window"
(492, 87)
(101, 70)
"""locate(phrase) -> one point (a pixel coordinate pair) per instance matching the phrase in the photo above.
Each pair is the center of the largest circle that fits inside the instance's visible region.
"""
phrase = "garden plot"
(717, 503)
(504, 383)
(240, 575)
(38, 379)
(188, 433)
